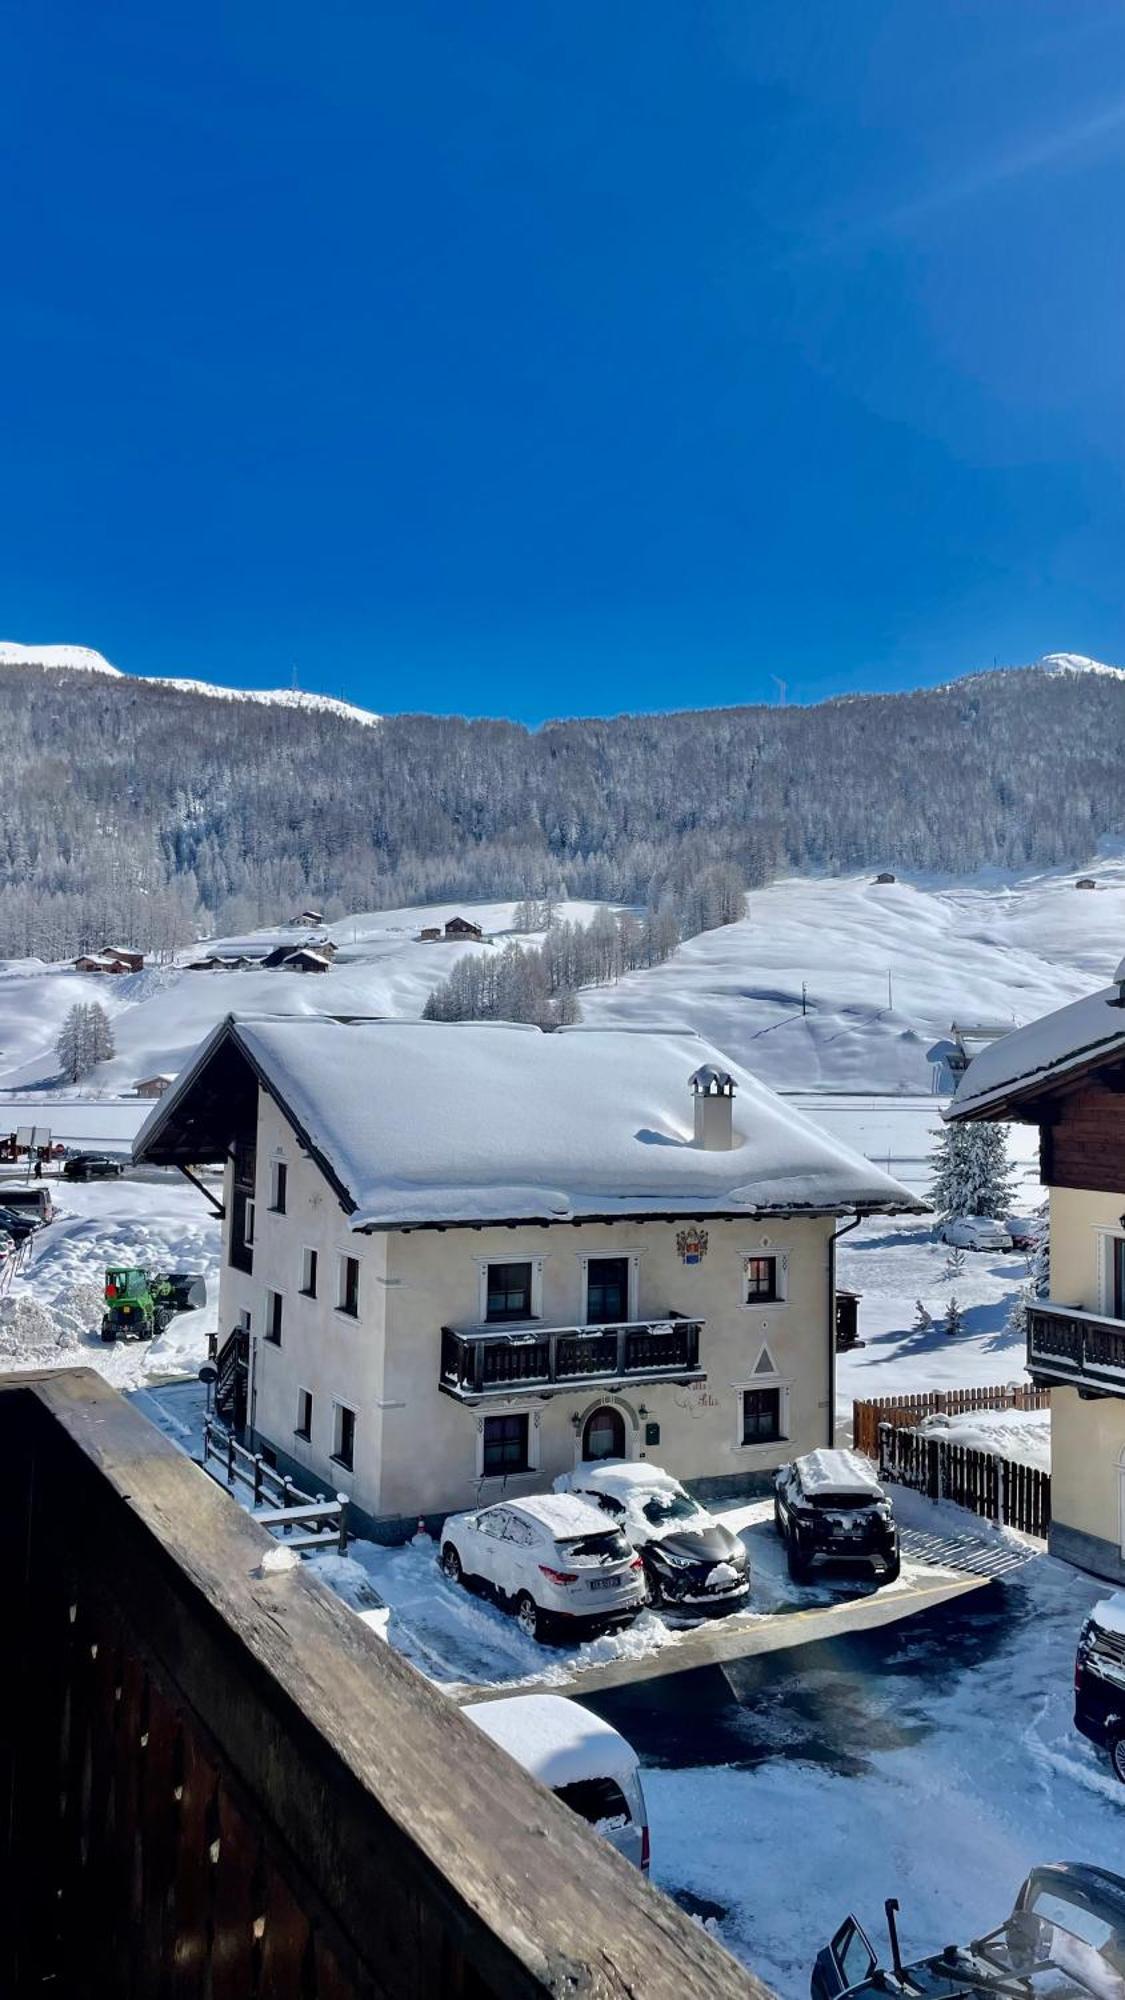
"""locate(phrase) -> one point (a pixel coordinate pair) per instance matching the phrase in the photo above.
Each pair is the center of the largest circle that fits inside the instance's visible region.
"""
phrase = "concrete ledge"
(1085, 1551)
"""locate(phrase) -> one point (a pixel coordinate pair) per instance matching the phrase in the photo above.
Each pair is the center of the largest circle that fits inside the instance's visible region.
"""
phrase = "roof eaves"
(1034, 1082)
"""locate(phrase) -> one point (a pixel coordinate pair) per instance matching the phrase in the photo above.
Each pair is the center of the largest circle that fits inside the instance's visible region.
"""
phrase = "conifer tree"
(972, 1174)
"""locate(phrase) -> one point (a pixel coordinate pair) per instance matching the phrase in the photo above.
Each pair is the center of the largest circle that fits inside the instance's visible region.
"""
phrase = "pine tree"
(972, 1171)
(954, 1318)
(70, 1048)
(954, 1262)
(923, 1320)
(100, 1035)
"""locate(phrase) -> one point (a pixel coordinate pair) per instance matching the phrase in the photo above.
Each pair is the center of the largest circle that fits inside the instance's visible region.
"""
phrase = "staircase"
(233, 1364)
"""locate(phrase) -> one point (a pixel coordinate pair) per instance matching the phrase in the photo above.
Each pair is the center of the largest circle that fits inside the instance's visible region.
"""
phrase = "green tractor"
(139, 1303)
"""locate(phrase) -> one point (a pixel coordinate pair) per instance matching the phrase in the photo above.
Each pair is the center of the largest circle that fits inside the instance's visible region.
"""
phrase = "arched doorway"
(603, 1434)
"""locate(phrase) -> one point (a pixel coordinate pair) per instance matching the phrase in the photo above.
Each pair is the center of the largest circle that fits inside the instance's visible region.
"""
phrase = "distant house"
(154, 1086)
(111, 958)
(429, 934)
(460, 927)
(886, 876)
(1085, 882)
(307, 917)
(305, 959)
(970, 1037)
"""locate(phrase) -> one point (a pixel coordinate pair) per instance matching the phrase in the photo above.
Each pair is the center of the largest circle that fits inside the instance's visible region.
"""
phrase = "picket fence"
(1012, 1495)
(902, 1411)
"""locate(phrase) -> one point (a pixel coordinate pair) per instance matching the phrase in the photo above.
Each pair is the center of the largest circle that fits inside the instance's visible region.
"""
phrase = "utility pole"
(804, 998)
(890, 992)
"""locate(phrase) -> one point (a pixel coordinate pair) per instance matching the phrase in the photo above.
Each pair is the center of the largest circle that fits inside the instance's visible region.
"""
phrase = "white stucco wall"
(417, 1449)
(1087, 1437)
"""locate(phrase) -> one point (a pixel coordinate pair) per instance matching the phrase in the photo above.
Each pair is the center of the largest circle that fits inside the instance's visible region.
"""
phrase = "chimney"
(713, 1091)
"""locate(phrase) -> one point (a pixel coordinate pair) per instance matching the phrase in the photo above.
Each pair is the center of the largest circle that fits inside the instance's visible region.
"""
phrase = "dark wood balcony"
(1066, 1344)
(218, 1781)
(481, 1361)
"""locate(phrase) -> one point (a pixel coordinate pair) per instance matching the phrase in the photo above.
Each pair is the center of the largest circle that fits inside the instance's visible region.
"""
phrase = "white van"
(583, 1760)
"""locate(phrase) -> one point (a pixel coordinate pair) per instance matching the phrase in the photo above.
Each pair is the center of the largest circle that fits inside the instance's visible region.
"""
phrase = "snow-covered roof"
(1109, 1613)
(1042, 1053)
(622, 1477)
(558, 1741)
(563, 1515)
(829, 1472)
(442, 1122)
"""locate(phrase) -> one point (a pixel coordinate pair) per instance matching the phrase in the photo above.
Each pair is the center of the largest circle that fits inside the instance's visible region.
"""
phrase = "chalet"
(111, 958)
(155, 1086)
(1066, 1074)
(307, 918)
(457, 1258)
(306, 958)
(1085, 882)
(460, 927)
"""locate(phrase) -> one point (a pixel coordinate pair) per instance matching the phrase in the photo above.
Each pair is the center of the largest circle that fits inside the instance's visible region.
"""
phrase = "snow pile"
(477, 1121)
(1021, 1436)
(838, 1472)
(30, 1329)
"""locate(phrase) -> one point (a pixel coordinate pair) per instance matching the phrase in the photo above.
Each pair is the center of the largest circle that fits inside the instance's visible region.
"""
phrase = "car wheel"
(1117, 1757)
(799, 1565)
(451, 1564)
(108, 1332)
(892, 1573)
(529, 1618)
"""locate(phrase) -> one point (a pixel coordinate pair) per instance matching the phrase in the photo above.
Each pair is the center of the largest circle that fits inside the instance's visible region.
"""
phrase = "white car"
(976, 1232)
(552, 1559)
(584, 1761)
(691, 1560)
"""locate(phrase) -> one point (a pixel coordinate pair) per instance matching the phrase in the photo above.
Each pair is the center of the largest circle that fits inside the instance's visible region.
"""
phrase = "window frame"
(305, 1406)
(275, 1317)
(279, 1187)
(631, 1258)
(310, 1271)
(520, 1418)
(346, 1263)
(533, 1412)
(776, 1435)
(535, 1290)
(757, 1382)
(762, 1301)
(339, 1412)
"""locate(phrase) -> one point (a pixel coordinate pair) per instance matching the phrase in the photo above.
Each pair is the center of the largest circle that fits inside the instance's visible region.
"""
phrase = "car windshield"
(1085, 1949)
(674, 1506)
(594, 1549)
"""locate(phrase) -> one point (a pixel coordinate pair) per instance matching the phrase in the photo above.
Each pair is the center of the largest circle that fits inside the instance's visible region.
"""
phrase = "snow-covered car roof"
(828, 1472)
(558, 1741)
(446, 1122)
(562, 1514)
(1109, 1613)
(625, 1479)
(1043, 1053)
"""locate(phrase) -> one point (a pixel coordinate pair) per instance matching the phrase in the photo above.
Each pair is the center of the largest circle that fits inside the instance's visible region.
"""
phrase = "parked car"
(92, 1167)
(7, 1245)
(1099, 1680)
(1026, 1231)
(976, 1232)
(690, 1559)
(1065, 1936)
(584, 1761)
(829, 1506)
(19, 1223)
(551, 1558)
(34, 1201)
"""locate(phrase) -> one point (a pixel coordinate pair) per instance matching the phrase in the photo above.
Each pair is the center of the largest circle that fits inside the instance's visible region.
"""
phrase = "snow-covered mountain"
(83, 659)
(1077, 663)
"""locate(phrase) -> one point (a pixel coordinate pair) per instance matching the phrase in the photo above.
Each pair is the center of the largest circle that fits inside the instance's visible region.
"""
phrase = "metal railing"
(478, 1361)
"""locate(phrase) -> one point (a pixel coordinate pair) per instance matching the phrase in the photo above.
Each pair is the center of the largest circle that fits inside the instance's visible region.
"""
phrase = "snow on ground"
(894, 1263)
(51, 1314)
(940, 1782)
(1024, 1436)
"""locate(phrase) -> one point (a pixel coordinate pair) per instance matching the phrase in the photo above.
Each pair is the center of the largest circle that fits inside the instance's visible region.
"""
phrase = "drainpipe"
(832, 1242)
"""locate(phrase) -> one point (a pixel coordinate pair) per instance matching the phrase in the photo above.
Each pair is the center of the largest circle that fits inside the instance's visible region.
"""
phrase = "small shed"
(307, 917)
(128, 959)
(154, 1086)
(1085, 882)
(885, 876)
(429, 933)
(304, 959)
(460, 927)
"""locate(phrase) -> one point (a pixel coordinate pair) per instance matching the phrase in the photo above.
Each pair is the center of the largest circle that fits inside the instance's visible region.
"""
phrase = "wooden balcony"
(217, 1781)
(1066, 1344)
(482, 1361)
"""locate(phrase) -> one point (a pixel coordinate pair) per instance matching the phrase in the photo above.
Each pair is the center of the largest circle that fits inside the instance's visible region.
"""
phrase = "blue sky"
(545, 359)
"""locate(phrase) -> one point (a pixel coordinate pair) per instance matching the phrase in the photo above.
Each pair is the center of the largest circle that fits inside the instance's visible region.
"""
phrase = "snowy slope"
(83, 659)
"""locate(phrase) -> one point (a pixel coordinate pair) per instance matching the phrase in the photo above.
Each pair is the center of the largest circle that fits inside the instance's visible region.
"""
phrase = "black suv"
(829, 1505)
(92, 1167)
(1099, 1680)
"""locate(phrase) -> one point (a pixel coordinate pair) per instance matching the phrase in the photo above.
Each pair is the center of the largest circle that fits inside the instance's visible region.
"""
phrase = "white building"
(459, 1257)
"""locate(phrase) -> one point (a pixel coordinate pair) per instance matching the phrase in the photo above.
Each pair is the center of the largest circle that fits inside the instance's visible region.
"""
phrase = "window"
(761, 1280)
(508, 1293)
(308, 1273)
(279, 1180)
(761, 1416)
(505, 1445)
(343, 1435)
(347, 1286)
(241, 1252)
(598, 1800)
(607, 1290)
(303, 1425)
(274, 1304)
(1117, 1268)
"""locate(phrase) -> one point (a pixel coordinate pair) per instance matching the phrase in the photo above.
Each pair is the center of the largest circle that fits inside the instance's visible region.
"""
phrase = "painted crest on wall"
(691, 1245)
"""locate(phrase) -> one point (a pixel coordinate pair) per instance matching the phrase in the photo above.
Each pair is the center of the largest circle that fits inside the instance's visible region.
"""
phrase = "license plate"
(604, 1582)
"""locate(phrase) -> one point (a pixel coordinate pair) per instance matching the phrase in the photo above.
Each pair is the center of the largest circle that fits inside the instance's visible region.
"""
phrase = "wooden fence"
(1014, 1496)
(906, 1410)
(304, 1521)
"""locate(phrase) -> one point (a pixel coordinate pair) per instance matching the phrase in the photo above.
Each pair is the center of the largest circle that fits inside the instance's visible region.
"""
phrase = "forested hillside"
(139, 812)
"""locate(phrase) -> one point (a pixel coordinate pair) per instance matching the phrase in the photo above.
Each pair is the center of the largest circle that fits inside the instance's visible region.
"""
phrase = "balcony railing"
(491, 1361)
(1067, 1344)
(214, 1779)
